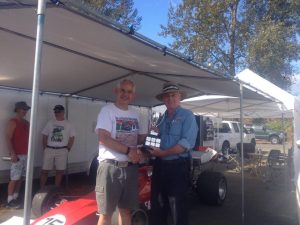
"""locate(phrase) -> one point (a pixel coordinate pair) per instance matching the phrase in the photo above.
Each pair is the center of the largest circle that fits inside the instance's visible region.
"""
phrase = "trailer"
(81, 112)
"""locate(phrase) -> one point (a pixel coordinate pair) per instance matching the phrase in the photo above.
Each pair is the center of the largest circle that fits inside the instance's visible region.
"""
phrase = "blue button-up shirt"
(180, 129)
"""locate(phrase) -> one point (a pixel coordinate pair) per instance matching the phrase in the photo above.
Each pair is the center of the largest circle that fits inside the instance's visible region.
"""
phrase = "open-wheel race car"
(50, 206)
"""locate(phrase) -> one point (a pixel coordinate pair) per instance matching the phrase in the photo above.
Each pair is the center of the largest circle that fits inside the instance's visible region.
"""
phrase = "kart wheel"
(212, 187)
(46, 199)
(139, 217)
(274, 140)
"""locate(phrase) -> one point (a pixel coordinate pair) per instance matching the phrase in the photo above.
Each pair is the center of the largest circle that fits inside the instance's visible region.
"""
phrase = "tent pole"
(282, 128)
(242, 152)
(34, 107)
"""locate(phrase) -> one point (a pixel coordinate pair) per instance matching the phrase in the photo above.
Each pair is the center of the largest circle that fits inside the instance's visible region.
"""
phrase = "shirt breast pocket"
(175, 128)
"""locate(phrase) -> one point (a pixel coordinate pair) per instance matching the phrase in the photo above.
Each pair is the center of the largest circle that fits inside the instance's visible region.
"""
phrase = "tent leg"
(34, 106)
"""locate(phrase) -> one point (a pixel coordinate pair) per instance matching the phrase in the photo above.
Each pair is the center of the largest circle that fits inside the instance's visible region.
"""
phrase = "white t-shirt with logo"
(58, 132)
(123, 125)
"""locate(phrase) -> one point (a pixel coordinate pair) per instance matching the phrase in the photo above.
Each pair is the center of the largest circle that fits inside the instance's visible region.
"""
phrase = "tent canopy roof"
(229, 107)
(86, 55)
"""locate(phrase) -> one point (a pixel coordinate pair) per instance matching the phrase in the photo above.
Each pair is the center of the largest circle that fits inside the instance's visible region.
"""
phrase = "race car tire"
(46, 199)
(211, 188)
(138, 217)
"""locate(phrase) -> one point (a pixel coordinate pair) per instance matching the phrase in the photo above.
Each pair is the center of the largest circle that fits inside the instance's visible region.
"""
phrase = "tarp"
(84, 54)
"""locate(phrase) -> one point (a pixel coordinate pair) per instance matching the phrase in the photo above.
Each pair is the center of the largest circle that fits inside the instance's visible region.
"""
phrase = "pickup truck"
(263, 133)
(228, 136)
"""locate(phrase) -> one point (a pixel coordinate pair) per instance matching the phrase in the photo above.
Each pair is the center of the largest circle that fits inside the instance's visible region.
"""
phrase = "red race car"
(55, 210)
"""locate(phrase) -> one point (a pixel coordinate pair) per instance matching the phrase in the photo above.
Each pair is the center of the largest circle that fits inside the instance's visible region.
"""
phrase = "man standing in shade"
(58, 139)
(171, 168)
(119, 134)
(17, 134)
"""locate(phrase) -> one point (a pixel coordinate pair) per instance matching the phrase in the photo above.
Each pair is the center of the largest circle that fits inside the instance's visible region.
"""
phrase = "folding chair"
(231, 159)
(276, 169)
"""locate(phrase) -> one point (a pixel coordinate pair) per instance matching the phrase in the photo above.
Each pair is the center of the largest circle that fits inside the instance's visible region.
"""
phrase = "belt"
(53, 147)
(118, 163)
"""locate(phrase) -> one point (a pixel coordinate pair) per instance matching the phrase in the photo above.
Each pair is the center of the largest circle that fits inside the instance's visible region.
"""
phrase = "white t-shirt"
(123, 125)
(58, 132)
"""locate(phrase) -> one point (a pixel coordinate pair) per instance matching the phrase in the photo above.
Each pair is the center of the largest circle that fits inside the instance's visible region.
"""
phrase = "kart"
(51, 208)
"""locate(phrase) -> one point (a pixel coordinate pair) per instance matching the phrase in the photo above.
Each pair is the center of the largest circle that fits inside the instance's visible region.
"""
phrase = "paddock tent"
(229, 107)
(85, 55)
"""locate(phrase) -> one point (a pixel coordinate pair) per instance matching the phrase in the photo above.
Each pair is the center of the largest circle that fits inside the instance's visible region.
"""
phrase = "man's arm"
(106, 140)
(8, 136)
(176, 149)
(45, 141)
(71, 142)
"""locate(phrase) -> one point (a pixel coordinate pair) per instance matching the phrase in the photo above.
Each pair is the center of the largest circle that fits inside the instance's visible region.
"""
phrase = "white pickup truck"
(228, 135)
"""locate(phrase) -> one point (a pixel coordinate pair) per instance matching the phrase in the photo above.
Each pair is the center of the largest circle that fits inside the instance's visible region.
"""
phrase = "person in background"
(119, 133)
(177, 129)
(17, 135)
(58, 139)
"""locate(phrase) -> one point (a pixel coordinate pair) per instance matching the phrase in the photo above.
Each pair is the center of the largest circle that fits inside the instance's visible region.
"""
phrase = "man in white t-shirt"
(58, 138)
(119, 134)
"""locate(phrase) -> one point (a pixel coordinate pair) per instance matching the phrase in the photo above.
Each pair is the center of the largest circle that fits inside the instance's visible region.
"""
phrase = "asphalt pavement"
(263, 204)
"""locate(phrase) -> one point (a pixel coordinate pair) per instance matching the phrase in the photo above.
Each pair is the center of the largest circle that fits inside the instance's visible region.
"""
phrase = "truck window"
(236, 127)
(225, 128)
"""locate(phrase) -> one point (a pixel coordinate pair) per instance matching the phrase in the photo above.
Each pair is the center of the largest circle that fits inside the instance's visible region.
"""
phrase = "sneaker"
(13, 204)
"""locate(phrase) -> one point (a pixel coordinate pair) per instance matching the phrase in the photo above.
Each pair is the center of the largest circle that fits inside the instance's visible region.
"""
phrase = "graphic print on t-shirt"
(127, 130)
(57, 135)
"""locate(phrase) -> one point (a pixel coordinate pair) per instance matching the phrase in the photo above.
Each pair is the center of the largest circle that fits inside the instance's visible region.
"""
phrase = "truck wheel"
(225, 147)
(274, 140)
(212, 187)
(46, 199)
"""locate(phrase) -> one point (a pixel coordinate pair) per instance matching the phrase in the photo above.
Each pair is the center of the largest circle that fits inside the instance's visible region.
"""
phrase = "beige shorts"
(55, 157)
(116, 186)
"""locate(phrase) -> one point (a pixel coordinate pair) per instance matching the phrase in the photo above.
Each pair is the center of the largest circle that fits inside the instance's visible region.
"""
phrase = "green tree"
(121, 11)
(231, 35)
(273, 45)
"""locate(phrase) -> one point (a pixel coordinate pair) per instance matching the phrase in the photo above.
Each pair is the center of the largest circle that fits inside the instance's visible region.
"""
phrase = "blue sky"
(155, 13)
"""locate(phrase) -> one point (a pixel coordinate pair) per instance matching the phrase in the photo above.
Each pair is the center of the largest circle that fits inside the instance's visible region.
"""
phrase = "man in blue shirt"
(171, 169)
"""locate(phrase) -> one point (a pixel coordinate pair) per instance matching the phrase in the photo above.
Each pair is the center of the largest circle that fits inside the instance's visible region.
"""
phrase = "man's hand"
(157, 152)
(134, 155)
(14, 157)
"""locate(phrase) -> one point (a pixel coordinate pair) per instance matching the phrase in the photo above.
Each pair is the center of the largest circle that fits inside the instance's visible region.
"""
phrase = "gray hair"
(126, 81)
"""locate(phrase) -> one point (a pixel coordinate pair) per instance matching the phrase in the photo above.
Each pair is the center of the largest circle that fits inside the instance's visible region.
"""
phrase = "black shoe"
(13, 204)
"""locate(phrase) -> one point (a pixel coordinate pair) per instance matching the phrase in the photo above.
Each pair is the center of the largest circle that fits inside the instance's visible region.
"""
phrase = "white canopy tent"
(229, 107)
(85, 54)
